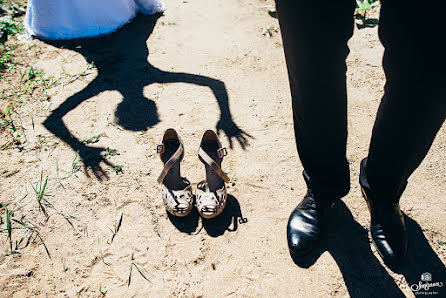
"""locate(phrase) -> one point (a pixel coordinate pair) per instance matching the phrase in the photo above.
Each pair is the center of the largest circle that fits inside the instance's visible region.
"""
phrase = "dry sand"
(201, 58)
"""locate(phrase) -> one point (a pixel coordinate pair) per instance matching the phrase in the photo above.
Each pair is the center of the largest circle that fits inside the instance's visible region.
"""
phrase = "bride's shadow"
(121, 59)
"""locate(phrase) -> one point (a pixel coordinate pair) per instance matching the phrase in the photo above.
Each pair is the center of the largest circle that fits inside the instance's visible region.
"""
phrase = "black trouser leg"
(315, 36)
(413, 107)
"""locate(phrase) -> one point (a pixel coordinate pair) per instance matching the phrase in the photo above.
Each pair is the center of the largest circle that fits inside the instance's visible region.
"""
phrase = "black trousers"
(413, 107)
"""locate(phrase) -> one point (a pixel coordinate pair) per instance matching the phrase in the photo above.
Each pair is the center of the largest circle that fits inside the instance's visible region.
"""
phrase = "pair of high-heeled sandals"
(210, 198)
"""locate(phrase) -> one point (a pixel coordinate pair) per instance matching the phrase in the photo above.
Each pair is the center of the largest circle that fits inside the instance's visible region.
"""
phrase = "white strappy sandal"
(176, 190)
(211, 193)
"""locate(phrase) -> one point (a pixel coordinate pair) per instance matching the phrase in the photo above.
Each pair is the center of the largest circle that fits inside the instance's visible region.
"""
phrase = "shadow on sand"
(121, 59)
(231, 215)
(348, 243)
(421, 259)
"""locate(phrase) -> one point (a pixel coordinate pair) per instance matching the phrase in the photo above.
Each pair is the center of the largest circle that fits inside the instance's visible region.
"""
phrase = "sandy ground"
(203, 64)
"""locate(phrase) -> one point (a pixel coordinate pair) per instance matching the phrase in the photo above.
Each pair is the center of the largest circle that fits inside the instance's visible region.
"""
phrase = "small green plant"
(364, 5)
(93, 139)
(101, 291)
(42, 141)
(57, 174)
(39, 189)
(14, 8)
(31, 75)
(8, 27)
(110, 152)
(118, 169)
(31, 231)
(75, 166)
(116, 228)
(8, 123)
(8, 227)
(14, 128)
(102, 255)
(33, 79)
(14, 97)
(269, 31)
(11, 26)
(79, 76)
(5, 60)
(137, 268)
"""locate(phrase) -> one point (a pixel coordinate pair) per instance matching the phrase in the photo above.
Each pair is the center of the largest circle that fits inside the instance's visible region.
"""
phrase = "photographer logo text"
(426, 286)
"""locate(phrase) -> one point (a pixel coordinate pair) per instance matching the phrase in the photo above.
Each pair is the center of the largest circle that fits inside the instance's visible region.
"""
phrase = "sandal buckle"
(222, 152)
(160, 149)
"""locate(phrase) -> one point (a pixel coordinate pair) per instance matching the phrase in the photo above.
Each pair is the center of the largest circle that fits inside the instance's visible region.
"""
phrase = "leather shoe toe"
(303, 231)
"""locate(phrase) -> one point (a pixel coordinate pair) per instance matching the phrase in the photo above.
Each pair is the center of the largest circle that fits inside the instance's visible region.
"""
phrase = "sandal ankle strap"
(172, 160)
(207, 159)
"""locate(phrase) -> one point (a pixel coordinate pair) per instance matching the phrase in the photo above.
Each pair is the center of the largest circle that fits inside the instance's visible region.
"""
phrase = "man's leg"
(315, 36)
(413, 107)
(411, 112)
(315, 44)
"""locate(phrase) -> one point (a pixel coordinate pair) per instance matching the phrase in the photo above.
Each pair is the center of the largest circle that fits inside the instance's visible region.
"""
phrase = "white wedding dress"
(68, 19)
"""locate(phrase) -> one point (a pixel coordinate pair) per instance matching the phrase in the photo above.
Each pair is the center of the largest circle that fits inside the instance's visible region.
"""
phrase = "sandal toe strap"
(177, 199)
(210, 201)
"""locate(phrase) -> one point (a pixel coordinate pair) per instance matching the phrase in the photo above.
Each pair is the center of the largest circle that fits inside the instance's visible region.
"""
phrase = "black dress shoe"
(387, 226)
(306, 222)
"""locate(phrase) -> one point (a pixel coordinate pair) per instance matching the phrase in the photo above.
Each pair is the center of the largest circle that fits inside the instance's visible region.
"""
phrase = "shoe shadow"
(348, 243)
(187, 224)
(422, 259)
(232, 214)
